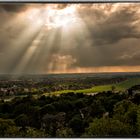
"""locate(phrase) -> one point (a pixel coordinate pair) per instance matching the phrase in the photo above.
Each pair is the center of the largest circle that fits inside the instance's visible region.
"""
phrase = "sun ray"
(52, 23)
(29, 52)
(46, 48)
(21, 45)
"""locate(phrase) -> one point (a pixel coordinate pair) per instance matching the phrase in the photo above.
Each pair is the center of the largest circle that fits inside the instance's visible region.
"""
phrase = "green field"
(122, 86)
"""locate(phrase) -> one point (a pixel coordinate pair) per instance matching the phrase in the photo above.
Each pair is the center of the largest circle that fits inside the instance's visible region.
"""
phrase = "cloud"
(104, 36)
(13, 7)
(61, 6)
(60, 63)
(111, 27)
(113, 32)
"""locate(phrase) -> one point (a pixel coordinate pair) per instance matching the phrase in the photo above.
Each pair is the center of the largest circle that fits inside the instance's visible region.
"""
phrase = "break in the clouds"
(61, 38)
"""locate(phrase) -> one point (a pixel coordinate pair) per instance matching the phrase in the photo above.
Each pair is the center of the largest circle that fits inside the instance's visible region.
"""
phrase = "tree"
(96, 109)
(113, 88)
(65, 132)
(6, 108)
(79, 104)
(136, 98)
(34, 133)
(23, 121)
(49, 108)
(64, 105)
(125, 111)
(51, 123)
(8, 128)
(138, 121)
(77, 125)
(108, 127)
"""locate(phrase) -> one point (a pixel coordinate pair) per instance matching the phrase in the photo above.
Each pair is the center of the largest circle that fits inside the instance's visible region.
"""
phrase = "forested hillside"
(108, 114)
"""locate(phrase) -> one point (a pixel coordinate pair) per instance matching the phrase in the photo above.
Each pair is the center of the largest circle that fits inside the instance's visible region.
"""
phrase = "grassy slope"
(128, 83)
(119, 86)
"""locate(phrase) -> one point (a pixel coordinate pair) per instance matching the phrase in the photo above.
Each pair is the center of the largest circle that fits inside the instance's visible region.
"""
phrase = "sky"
(69, 38)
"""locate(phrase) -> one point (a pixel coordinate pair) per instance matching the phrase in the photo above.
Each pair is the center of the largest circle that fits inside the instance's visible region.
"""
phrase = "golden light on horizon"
(99, 69)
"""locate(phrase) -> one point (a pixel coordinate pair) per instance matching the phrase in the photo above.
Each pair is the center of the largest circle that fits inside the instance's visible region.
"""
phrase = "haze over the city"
(69, 38)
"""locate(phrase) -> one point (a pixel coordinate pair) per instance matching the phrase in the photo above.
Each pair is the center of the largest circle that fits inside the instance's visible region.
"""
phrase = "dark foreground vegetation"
(112, 114)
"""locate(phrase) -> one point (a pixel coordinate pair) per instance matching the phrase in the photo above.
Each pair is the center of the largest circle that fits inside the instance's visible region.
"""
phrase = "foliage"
(77, 125)
(22, 120)
(108, 127)
(8, 128)
(126, 111)
(107, 113)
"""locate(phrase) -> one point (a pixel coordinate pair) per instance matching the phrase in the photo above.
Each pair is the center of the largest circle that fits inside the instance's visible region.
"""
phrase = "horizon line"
(69, 1)
(63, 73)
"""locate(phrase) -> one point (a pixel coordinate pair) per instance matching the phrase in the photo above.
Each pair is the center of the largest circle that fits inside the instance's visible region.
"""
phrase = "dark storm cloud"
(112, 27)
(117, 27)
(13, 7)
(22, 7)
(112, 34)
